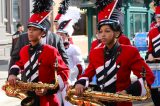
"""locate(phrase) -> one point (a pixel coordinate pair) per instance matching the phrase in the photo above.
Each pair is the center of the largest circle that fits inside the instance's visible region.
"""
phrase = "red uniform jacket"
(128, 60)
(152, 25)
(46, 73)
(95, 44)
(154, 42)
(122, 39)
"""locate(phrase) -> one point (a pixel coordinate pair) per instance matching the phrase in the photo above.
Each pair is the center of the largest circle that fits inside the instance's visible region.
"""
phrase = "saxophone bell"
(28, 101)
(13, 92)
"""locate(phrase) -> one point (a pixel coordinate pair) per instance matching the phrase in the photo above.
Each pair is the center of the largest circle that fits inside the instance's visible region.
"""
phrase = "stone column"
(25, 10)
(2, 26)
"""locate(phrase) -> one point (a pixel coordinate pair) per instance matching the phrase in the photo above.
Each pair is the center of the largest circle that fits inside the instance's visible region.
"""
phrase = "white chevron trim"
(113, 79)
(98, 45)
(15, 66)
(34, 76)
(157, 48)
(157, 37)
(158, 42)
(101, 78)
(111, 69)
(107, 63)
(27, 63)
(28, 71)
(100, 68)
(35, 64)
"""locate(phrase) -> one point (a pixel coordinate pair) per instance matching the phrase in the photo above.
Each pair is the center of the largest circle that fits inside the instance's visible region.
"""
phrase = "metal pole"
(90, 28)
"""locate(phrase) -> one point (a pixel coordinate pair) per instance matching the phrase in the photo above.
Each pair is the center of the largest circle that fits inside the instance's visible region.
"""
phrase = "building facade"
(13, 12)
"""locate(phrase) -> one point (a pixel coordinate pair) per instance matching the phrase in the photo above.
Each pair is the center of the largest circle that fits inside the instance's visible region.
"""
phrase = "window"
(137, 3)
(138, 23)
(16, 9)
(5, 20)
(16, 13)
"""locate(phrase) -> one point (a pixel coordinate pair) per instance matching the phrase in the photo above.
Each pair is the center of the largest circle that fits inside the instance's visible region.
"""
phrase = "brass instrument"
(19, 93)
(20, 88)
(95, 98)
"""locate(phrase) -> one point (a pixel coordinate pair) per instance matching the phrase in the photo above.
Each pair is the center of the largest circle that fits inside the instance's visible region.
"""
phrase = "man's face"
(35, 34)
(158, 19)
(63, 36)
(21, 29)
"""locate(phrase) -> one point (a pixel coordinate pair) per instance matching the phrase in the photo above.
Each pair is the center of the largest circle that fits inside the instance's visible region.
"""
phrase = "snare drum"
(155, 67)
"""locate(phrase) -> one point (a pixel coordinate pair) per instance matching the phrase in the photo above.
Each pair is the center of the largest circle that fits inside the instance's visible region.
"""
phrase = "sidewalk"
(4, 53)
(4, 99)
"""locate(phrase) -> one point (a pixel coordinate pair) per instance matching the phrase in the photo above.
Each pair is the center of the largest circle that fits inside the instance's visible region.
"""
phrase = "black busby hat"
(42, 8)
(107, 14)
(62, 9)
(105, 8)
(113, 23)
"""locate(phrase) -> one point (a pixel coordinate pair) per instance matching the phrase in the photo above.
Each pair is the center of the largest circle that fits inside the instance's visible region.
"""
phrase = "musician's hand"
(67, 86)
(12, 79)
(124, 92)
(150, 58)
(41, 92)
(79, 89)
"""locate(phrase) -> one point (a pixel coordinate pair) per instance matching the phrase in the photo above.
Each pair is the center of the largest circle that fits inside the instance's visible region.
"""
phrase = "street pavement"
(4, 99)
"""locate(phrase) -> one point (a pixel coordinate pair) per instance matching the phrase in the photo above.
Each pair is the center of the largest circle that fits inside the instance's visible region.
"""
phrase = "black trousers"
(155, 96)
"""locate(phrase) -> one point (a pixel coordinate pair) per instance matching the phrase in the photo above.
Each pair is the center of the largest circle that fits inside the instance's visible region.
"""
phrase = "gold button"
(109, 10)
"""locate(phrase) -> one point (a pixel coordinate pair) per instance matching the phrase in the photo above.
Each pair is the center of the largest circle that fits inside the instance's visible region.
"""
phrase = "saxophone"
(95, 98)
(20, 88)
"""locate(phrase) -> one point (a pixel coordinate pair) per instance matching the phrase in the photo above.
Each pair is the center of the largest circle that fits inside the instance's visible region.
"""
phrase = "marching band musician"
(50, 38)
(61, 13)
(154, 5)
(121, 38)
(154, 51)
(113, 66)
(76, 62)
(37, 61)
(113, 63)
